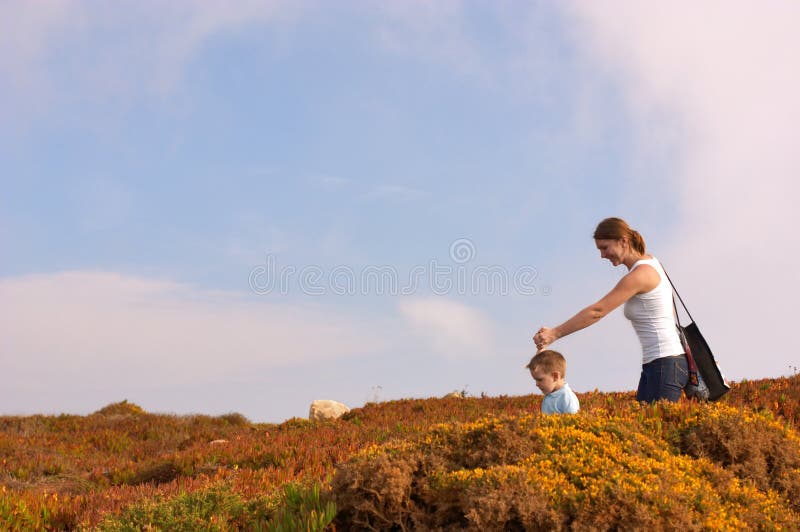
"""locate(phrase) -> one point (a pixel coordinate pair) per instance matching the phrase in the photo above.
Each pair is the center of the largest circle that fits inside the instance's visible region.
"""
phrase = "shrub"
(235, 419)
(212, 509)
(159, 473)
(752, 445)
(302, 508)
(590, 471)
(15, 515)
(122, 408)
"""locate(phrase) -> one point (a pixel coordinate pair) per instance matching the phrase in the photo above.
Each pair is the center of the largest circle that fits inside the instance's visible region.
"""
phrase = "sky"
(213, 207)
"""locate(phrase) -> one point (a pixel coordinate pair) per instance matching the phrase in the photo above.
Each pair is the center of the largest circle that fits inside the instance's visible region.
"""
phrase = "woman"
(647, 295)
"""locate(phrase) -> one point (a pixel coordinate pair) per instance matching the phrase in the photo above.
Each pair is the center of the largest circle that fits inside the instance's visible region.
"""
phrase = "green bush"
(302, 508)
(218, 509)
(14, 515)
(213, 509)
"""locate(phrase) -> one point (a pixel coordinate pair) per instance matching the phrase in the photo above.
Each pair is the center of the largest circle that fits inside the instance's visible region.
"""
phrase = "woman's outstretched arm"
(641, 279)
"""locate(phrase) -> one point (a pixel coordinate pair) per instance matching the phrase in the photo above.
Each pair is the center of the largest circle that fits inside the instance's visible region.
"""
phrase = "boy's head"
(548, 369)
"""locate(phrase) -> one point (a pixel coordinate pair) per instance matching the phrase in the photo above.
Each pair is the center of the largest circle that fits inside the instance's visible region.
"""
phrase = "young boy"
(548, 369)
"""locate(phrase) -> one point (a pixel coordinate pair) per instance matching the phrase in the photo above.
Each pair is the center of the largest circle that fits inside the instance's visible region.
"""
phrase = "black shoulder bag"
(705, 378)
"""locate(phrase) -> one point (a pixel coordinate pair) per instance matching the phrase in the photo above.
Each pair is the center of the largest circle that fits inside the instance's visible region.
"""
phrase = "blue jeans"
(663, 378)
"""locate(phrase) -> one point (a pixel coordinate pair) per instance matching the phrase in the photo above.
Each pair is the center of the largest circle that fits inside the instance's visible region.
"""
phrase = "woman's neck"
(634, 258)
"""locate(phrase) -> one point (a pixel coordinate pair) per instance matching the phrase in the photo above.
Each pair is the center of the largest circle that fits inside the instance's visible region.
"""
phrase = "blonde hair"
(617, 229)
(549, 361)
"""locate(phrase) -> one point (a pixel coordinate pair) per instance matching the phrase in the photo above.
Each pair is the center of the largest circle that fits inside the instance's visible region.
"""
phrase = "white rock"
(325, 409)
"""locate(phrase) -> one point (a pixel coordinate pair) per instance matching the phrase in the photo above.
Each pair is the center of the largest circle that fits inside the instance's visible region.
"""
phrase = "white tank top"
(653, 317)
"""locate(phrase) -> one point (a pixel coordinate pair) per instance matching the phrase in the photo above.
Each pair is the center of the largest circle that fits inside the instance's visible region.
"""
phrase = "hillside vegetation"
(491, 463)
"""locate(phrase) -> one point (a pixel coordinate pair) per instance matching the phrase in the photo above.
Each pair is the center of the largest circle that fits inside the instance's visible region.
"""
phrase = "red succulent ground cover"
(734, 463)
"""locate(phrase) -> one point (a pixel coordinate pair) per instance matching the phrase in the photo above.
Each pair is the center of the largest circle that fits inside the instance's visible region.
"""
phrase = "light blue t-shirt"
(561, 401)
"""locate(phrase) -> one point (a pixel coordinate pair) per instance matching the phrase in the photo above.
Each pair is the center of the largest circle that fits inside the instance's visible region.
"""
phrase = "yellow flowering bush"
(596, 470)
(752, 445)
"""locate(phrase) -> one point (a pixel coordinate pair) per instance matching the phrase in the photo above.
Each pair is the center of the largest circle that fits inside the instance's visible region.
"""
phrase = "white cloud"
(452, 329)
(146, 46)
(332, 182)
(721, 77)
(188, 25)
(502, 47)
(394, 192)
(75, 341)
(86, 327)
(430, 31)
(29, 31)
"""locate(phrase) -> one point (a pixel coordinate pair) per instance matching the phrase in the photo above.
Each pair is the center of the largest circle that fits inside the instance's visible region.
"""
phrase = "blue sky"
(154, 157)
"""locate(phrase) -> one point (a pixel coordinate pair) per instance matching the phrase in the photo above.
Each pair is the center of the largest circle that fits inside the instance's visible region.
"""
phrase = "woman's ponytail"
(637, 242)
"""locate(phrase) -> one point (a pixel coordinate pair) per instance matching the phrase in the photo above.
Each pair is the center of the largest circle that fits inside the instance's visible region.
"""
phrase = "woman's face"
(613, 250)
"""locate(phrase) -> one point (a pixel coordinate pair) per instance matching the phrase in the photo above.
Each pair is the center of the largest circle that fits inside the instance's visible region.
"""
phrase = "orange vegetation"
(481, 463)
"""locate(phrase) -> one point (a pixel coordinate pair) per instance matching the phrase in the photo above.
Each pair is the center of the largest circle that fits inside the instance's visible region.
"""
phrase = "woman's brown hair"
(617, 229)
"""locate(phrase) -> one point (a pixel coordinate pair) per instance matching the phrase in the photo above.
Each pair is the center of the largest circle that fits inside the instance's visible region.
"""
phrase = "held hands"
(544, 337)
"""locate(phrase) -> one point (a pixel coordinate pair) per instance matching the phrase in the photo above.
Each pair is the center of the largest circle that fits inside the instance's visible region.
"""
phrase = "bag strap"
(679, 298)
(687, 350)
(677, 317)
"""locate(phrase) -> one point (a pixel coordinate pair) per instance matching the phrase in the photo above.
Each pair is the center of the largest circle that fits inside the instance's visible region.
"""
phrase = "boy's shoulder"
(567, 389)
(563, 390)
(561, 401)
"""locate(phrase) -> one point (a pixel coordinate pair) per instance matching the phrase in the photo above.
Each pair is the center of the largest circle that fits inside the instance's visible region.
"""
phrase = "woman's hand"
(544, 337)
